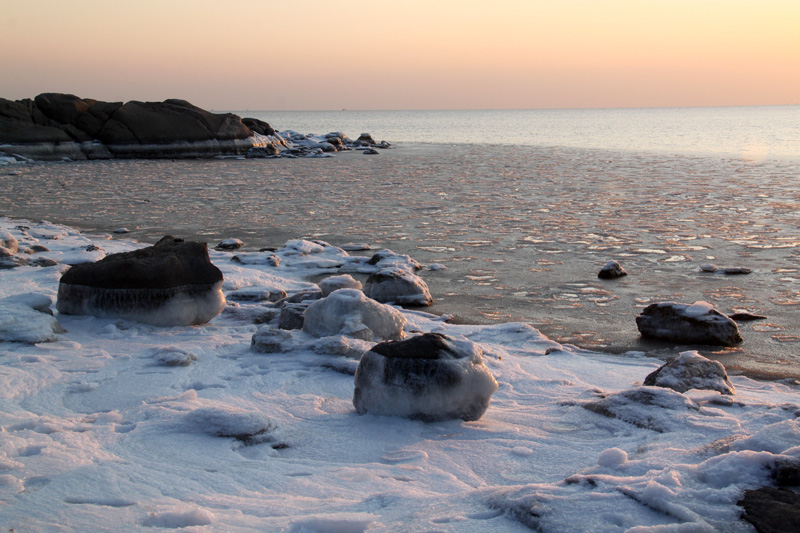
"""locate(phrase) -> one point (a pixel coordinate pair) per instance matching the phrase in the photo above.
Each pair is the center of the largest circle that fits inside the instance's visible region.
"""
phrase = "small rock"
(708, 267)
(292, 315)
(121, 231)
(230, 244)
(612, 270)
(371, 151)
(355, 246)
(735, 271)
(349, 312)
(270, 340)
(746, 317)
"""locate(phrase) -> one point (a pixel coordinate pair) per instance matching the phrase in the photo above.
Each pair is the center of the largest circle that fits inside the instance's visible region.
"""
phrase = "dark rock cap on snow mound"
(169, 284)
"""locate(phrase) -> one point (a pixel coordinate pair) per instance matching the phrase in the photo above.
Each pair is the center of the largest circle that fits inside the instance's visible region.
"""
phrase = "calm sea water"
(750, 132)
(522, 207)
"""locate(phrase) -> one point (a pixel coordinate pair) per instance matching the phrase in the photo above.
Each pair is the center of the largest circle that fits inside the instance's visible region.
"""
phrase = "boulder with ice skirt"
(172, 283)
(430, 377)
(698, 323)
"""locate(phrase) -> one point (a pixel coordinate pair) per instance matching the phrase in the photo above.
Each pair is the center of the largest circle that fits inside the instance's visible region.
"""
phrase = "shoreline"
(527, 264)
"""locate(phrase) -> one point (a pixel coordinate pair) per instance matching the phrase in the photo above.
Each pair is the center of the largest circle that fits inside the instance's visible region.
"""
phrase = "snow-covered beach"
(105, 428)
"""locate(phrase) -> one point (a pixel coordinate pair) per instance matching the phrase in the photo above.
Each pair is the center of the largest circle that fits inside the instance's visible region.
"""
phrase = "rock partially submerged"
(690, 370)
(172, 283)
(698, 323)
(430, 377)
(612, 270)
(399, 286)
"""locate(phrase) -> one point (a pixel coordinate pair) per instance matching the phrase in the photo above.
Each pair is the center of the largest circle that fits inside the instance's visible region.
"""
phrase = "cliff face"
(53, 126)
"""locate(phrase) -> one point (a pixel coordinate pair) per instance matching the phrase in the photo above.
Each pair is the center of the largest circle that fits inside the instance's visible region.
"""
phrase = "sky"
(410, 54)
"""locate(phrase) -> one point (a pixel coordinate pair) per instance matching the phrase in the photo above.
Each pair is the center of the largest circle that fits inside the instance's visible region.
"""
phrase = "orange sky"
(409, 54)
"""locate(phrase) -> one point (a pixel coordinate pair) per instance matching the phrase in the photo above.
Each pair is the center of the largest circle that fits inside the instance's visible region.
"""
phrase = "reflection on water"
(522, 230)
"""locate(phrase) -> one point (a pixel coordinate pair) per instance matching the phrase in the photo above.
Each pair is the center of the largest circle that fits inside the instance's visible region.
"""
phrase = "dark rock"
(431, 377)
(230, 244)
(699, 323)
(772, 510)
(746, 317)
(691, 370)
(396, 285)
(612, 270)
(365, 138)
(292, 315)
(734, 271)
(169, 284)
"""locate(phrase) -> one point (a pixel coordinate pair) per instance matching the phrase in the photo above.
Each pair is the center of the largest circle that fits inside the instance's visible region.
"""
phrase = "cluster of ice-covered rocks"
(55, 126)
(696, 445)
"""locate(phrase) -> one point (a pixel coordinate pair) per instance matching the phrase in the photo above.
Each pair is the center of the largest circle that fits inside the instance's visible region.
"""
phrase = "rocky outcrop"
(54, 126)
(172, 283)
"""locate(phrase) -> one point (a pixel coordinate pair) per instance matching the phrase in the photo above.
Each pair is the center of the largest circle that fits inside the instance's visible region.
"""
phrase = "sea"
(517, 209)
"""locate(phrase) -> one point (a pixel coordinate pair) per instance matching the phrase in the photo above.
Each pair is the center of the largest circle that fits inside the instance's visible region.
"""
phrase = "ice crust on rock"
(172, 283)
(334, 283)
(699, 323)
(351, 313)
(27, 318)
(398, 285)
(430, 377)
(690, 370)
(387, 258)
(9, 242)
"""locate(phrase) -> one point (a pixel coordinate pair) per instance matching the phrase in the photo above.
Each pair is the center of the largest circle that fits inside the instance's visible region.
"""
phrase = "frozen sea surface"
(522, 231)
(101, 430)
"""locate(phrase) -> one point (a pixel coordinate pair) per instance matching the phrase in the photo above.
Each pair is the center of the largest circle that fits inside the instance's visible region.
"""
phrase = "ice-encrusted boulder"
(334, 283)
(349, 312)
(27, 318)
(230, 244)
(172, 283)
(399, 286)
(690, 370)
(698, 323)
(429, 377)
(612, 270)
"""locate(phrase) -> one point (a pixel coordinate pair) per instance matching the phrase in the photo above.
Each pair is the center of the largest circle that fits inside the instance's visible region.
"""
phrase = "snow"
(97, 434)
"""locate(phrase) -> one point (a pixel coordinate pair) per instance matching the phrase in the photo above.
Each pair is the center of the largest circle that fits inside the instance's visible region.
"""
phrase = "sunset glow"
(406, 55)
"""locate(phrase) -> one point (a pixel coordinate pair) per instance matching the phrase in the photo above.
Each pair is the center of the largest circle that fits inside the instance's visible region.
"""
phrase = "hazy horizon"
(512, 54)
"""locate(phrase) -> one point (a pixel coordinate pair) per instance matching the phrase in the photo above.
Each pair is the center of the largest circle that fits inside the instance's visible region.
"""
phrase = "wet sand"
(522, 231)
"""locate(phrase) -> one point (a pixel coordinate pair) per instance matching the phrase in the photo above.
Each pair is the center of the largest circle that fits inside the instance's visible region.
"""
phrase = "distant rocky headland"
(54, 126)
